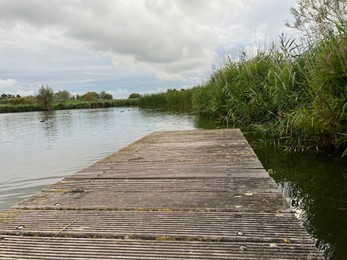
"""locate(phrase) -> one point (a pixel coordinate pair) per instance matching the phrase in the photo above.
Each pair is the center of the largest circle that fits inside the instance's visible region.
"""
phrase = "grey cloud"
(127, 30)
(170, 38)
(36, 12)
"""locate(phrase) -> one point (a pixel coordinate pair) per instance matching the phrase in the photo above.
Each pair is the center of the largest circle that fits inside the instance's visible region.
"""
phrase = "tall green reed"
(298, 98)
(323, 120)
(171, 100)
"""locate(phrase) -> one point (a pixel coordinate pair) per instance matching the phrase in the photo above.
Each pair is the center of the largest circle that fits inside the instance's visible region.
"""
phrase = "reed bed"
(297, 99)
(171, 100)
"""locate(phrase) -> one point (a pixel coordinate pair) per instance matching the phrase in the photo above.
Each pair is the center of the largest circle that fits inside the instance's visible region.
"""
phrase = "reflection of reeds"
(315, 186)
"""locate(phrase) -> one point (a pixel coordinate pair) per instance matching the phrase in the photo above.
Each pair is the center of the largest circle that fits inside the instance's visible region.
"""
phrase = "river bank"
(65, 105)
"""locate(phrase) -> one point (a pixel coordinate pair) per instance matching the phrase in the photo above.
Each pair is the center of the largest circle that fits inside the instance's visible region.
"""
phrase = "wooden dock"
(171, 195)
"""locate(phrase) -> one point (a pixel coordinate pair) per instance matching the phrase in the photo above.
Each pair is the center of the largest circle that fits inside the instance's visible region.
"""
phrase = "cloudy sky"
(125, 46)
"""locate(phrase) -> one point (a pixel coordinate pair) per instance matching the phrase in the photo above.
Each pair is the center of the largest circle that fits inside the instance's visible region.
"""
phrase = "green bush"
(45, 97)
(171, 100)
(134, 95)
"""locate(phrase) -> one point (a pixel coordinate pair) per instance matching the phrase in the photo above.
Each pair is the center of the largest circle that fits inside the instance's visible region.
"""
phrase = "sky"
(126, 46)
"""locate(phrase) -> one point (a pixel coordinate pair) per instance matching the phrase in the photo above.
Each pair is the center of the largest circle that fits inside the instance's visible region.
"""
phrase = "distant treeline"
(47, 99)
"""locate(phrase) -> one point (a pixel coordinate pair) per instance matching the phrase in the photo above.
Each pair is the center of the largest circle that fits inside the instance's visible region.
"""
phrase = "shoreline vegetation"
(62, 100)
(299, 101)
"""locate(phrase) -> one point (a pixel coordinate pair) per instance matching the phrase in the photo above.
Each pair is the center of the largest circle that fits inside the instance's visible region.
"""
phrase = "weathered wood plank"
(238, 186)
(151, 225)
(110, 200)
(12, 247)
(171, 170)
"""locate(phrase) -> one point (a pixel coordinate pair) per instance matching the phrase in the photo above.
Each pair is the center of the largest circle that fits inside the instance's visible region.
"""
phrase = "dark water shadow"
(315, 185)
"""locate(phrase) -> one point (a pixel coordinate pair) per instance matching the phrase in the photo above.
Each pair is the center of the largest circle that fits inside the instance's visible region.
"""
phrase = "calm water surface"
(41, 148)
(37, 149)
(315, 186)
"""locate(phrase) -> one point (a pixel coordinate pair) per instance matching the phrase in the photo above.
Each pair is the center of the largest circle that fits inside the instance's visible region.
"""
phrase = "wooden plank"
(151, 225)
(171, 170)
(108, 200)
(238, 186)
(14, 247)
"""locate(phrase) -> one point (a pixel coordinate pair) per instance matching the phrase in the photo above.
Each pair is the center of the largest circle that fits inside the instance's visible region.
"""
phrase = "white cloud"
(8, 83)
(11, 86)
(119, 93)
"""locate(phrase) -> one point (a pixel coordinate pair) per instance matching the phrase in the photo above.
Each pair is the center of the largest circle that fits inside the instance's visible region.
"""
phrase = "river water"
(40, 148)
(315, 186)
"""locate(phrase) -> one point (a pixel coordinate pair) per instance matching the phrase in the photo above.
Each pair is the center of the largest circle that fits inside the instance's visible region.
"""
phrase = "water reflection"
(315, 185)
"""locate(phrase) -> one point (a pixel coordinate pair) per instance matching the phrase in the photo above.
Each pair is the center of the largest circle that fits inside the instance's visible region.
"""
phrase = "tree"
(62, 95)
(318, 19)
(90, 96)
(104, 95)
(3, 96)
(134, 95)
(45, 97)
